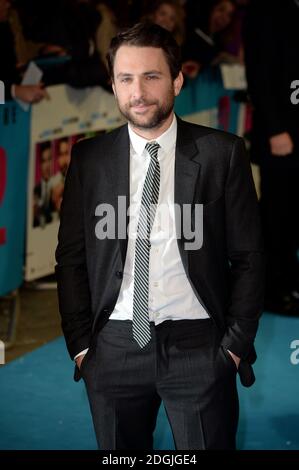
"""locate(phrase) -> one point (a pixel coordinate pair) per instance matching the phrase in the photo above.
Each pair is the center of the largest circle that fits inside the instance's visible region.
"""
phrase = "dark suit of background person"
(184, 359)
(71, 26)
(8, 70)
(272, 62)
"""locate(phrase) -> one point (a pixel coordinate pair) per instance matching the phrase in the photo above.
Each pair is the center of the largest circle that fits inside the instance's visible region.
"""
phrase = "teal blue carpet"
(42, 408)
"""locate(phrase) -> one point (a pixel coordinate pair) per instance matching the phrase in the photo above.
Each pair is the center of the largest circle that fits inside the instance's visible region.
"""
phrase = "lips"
(141, 107)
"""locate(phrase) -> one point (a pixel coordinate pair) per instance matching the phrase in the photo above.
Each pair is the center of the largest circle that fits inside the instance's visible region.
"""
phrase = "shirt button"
(156, 284)
(157, 314)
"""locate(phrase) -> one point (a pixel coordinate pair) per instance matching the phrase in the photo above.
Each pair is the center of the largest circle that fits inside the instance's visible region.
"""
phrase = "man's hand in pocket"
(235, 358)
(79, 360)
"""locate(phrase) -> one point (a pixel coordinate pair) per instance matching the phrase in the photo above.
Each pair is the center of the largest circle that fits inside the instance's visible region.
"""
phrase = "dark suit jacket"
(211, 168)
(8, 69)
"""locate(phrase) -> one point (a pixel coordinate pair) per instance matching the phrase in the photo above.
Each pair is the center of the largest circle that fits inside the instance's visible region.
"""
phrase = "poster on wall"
(57, 124)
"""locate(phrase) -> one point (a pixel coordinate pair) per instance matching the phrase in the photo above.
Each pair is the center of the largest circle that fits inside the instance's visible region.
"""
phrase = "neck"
(150, 134)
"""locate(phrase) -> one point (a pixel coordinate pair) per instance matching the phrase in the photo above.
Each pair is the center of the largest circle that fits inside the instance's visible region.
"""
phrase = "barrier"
(14, 145)
(205, 101)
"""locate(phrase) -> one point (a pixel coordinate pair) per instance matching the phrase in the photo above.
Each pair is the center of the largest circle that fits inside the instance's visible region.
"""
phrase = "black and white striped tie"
(149, 200)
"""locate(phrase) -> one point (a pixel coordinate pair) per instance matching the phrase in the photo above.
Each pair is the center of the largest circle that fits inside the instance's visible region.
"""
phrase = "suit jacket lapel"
(187, 172)
(120, 163)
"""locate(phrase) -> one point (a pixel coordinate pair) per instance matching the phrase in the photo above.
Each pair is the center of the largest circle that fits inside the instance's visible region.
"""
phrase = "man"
(272, 64)
(58, 179)
(159, 318)
(43, 206)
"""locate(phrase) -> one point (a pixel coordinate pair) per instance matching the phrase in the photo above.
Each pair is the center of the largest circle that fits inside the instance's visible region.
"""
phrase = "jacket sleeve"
(71, 269)
(245, 253)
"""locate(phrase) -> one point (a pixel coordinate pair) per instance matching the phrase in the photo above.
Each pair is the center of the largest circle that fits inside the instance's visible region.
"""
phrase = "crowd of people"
(78, 32)
(260, 35)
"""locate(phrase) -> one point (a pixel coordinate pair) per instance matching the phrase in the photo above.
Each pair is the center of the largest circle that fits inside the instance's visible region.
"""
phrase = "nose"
(138, 89)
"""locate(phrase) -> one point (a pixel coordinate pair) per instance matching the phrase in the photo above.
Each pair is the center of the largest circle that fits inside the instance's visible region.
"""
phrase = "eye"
(125, 80)
(152, 77)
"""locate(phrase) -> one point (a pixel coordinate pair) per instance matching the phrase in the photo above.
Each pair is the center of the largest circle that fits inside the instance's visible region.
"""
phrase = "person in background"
(43, 204)
(9, 73)
(168, 14)
(272, 66)
(233, 36)
(107, 28)
(63, 160)
(67, 29)
(204, 42)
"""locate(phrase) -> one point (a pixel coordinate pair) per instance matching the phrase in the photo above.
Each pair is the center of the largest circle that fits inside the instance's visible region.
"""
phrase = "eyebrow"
(127, 74)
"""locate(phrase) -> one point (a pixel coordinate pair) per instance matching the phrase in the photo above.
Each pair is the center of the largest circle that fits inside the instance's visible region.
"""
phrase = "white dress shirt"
(171, 296)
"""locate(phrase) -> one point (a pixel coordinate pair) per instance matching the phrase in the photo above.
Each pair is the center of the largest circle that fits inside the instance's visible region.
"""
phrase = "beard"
(151, 120)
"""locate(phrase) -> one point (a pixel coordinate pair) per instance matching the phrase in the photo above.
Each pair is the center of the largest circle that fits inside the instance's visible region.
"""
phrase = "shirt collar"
(166, 140)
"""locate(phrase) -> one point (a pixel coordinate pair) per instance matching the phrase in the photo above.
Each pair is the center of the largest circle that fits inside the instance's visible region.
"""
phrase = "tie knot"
(152, 148)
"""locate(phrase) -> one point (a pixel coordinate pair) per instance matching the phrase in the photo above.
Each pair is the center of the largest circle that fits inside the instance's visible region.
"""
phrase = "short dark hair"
(147, 34)
(44, 146)
(63, 140)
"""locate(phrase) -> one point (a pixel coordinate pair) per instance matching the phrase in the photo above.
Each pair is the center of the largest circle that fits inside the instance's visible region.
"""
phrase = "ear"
(178, 83)
(113, 88)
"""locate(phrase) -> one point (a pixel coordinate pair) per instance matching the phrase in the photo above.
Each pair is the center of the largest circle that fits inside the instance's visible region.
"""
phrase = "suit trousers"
(183, 365)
